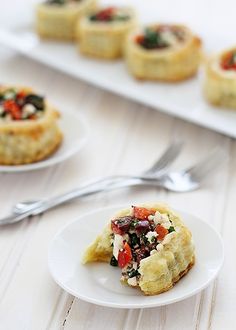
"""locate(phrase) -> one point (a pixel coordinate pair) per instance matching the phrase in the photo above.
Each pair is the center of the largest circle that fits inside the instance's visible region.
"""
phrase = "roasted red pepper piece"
(13, 108)
(228, 61)
(139, 39)
(105, 14)
(142, 213)
(161, 231)
(124, 256)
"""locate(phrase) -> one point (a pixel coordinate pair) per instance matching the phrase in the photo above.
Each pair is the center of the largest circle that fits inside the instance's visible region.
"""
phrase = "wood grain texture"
(125, 138)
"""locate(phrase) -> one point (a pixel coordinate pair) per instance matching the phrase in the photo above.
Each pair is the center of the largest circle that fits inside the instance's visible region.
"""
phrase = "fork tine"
(166, 158)
(208, 164)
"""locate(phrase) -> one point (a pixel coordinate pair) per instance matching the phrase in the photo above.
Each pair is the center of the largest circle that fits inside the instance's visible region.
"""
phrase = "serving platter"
(183, 100)
(99, 283)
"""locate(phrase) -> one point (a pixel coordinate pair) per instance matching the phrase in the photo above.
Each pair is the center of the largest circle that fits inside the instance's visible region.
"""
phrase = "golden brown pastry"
(102, 33)
(28, 127)
(220, 83)
(56, 19)
(150, 244)
(163, 52)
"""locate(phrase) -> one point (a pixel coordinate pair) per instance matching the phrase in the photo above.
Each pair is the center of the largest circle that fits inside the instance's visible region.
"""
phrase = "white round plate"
(75, 132)
(99, 283)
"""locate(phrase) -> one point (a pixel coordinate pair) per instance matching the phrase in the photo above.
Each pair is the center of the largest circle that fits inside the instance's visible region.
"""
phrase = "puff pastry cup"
(102, 33)
(56, 19)
(220, 80)
(151, 245)
(163, 52)
(28, 127)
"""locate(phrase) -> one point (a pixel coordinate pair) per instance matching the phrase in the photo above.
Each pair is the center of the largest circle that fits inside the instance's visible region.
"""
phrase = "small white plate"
(99, 283)
(75, 135)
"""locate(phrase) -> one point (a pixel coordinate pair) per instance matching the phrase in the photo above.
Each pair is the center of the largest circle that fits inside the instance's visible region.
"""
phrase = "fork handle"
(99, 186)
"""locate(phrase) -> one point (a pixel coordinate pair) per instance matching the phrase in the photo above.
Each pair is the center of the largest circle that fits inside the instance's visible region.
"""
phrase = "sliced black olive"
(113, 261)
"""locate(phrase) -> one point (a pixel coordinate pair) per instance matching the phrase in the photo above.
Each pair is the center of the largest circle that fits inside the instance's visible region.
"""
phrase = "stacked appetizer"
(102, 33)
(220, 85)
(28, 126)
(163, 52)
(57, 19)
(150, 244)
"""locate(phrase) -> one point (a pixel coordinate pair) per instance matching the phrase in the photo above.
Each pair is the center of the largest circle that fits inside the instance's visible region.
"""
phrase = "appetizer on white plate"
(151, 245)
(28, 126)
(56, 19)
(102, 33)
(166, 52)
(220, 83)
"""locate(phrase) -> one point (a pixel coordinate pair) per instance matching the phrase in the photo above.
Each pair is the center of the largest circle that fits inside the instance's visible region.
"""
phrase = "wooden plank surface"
(124, 138)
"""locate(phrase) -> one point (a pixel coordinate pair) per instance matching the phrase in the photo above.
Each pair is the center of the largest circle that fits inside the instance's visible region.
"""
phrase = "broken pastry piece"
(150, 244)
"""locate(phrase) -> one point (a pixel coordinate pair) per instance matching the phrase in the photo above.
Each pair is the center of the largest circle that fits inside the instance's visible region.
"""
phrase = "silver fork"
(24, 209)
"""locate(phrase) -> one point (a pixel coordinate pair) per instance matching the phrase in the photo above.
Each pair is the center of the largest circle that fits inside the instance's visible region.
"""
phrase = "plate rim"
(134, 306)
(50, 161)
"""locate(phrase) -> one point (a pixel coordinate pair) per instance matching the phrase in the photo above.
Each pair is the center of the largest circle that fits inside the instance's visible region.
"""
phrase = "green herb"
(171, 229)
(153, 239)
(134, 240)
(55, 2)
(113, 262)
(36, 100)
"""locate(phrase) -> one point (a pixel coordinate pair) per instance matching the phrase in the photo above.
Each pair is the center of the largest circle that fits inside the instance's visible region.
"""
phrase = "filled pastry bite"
(28, 126)
(102, 33)
(166, 52)
(150, 244)
(56, 19)
(220, 81)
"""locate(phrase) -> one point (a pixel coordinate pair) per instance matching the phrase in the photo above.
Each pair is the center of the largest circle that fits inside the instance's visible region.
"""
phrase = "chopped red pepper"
(124, 256)
(21, 95)
(161, 231)
(142, 213)
(13, 108)
(228, 61)
(105, 14)
(139, 39)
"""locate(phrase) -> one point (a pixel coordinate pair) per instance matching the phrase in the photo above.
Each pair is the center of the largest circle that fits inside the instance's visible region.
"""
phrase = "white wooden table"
(125, 138)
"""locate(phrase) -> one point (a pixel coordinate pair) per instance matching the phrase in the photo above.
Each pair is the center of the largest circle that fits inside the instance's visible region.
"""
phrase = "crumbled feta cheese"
(166, 224)
(157, 217)
(169, 37)
(159, 247)
(135, 265)
(150, 235)
(132, 281)
(151, 217)
(117, 245)
(164, 217)
(28, 109)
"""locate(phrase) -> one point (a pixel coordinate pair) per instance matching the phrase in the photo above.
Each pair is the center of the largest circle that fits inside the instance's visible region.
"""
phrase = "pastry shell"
(102, 39)
(220, 84)
(59, 21)
(29, 141)
(175, 63)
(162, 269)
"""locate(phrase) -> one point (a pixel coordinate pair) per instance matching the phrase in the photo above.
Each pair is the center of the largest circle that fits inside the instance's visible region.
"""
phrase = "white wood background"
(125, 138)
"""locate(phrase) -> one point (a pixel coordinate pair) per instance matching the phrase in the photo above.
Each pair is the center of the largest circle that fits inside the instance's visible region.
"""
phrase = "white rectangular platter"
(184, 100)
